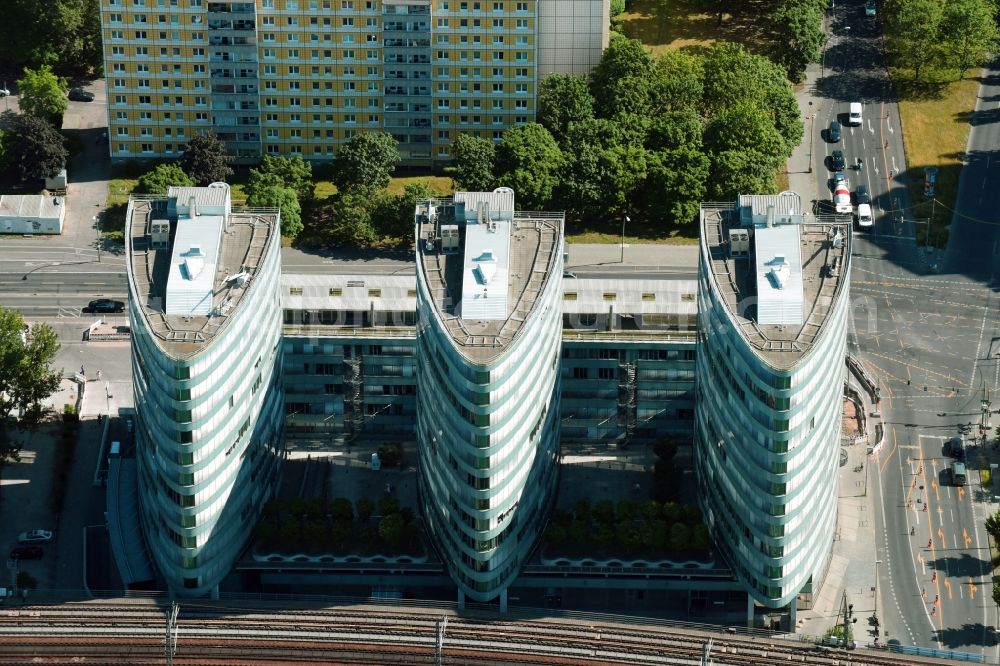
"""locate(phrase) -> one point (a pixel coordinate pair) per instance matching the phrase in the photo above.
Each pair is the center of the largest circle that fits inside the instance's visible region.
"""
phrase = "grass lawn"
(662, 25)
(677, 237)
(936, 133)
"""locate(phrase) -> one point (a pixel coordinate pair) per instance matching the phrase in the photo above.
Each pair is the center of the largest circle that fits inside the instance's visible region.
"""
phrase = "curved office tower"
(488, 339)
(206, 326)
(773, 307)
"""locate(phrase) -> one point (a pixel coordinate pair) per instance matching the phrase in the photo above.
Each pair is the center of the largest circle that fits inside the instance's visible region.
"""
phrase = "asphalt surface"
(974, 224)
(928, 336)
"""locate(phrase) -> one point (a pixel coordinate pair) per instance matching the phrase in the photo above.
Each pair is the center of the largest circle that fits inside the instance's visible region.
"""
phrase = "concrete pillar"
(215, 593)
(461, 599)
(750, 607)
(503, 601)
(793, 613)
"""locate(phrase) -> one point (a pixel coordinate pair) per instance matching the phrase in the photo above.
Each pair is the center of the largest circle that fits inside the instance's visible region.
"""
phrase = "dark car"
(81, 95)
(27, 553)
(105, 305)
(837, 160)
(833, 134)
(955, 448)
(862, 196)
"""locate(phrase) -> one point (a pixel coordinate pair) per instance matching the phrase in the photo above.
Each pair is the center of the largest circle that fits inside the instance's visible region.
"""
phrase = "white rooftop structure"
(498, 204)
(201, 215)
(31, 213)
(780, 295)
(484, 279)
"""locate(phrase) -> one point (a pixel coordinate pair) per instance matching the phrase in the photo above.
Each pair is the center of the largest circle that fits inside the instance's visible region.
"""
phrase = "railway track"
(133, 633)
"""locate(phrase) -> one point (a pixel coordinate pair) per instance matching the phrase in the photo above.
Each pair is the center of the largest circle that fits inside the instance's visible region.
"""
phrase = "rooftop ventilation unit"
(779, 271)
(739, 243)
(160, 234)
(449, 238)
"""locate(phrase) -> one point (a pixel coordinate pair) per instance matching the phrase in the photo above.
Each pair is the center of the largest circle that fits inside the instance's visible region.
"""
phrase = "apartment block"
(300, 77)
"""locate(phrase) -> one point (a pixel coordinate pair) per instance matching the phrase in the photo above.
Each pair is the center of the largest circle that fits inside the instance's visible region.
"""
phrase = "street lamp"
(624, 220)
(812, 131)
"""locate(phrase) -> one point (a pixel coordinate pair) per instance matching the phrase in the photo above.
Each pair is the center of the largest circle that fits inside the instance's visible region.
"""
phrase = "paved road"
(974, 225)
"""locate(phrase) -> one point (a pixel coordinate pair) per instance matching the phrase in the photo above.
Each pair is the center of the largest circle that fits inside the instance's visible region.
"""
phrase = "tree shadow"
(967, 634)
(686, 23)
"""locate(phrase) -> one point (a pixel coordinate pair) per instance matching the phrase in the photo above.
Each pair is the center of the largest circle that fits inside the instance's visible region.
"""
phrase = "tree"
(393, 214)
(736, 172)
(627, 95)
(270, 192)
(993, 526)
(528, 160)
(27, 378)
(351, 223)
(800, 35)
(735, 76)
(624, 58)
(913, 33)
(63, 33)
(623, 169)
(677, 81)
(563, 99)
(366, 162)
(43, 94)
(390, 529)
(745, 125)
(364, 508)
(680, 538)
(33, 148)
(205, 159)
(161, 178)
(293, 172)
(675, 186)
(475, 158)
(971, 31)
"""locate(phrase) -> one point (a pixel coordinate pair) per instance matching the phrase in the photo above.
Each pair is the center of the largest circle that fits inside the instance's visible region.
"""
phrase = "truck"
(957, 473)
(842, 198)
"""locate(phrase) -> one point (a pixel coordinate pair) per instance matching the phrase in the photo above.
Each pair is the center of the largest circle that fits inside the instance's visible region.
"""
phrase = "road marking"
(947, 585)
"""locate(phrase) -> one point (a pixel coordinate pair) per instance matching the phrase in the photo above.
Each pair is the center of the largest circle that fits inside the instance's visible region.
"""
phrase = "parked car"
(833, 134)
(862, 196)
(35, 536)
(838, 178)
(105, 305)
(4, 92)
(837, 160)
(27, 553)
(81, 95)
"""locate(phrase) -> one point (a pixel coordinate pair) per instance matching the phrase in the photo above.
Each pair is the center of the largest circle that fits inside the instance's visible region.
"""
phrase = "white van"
(865, 220)
(854, 118)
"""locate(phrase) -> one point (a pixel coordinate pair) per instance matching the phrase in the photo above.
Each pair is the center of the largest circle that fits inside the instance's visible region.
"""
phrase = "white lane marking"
(888, 122)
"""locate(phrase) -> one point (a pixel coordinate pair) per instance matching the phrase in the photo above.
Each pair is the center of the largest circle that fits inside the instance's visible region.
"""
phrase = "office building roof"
(188, 296)
(486, 279)
(780, 282)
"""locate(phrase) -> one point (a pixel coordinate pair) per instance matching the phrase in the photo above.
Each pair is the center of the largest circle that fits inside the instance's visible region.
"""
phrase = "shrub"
(364, 508)
(388, 505)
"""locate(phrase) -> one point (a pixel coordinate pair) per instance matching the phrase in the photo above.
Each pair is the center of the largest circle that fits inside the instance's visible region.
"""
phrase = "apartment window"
(610, 296)
(295, 291)
(648, 297)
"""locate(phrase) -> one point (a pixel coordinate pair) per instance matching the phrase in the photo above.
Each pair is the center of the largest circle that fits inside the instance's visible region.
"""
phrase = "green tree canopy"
(63, 33)
(675, 129)
(159, 179)
(624, 58)
(205, 159)
(33, 148)
(269, 191)
(292, 172)
(528, 160)
(800, 35)
(745, 125)
(43, 94)
(27, 378)
(736, 172)
(675, 186)
(913, 33)
(350, 222)
(366, 162)
(563, 99)
(677, 81)
(971, 29)
(475, 159)
(393, 217)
